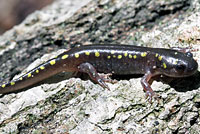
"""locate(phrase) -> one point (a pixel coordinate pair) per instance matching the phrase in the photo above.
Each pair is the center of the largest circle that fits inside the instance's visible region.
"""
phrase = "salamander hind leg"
(91, 71)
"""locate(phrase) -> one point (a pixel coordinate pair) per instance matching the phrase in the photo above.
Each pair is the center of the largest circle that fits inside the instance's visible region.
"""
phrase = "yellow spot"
(156, 55)
(112, 51)
(144, 54)
(125, 54)
(135, 56)
(109, 57)
(76, 55)
(21, 78)
(42, 67)
(65, 56)
(56, 57)
(130, 56)
(160, 58)
(119, 56)
(12, 83)
(87, 53)
(164, 65)
(176, 62)
(29, 75)
(114, 56)
(97, 54)
(4, 85)
(37, 71)
(53, 62)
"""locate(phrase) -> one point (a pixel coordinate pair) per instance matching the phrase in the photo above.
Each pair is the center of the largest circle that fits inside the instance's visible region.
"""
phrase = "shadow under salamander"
(187, 83)
(183, 84)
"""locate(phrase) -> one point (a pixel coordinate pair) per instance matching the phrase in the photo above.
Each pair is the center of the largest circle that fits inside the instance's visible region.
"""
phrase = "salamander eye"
(180, 67)
(189, 54)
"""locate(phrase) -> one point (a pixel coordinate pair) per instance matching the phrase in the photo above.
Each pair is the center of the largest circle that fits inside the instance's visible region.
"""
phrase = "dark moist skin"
(114, 59)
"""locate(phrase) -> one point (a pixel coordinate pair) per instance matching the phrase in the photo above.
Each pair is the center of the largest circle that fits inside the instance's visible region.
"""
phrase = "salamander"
(114, 59)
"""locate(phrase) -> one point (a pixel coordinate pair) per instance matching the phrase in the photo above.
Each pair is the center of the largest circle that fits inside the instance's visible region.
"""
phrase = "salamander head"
(180, 65)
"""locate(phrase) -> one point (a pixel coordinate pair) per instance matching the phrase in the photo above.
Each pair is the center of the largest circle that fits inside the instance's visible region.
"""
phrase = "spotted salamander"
(114, 59)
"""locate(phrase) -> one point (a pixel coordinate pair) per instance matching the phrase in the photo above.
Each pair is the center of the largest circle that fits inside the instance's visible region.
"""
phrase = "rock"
(81, 106)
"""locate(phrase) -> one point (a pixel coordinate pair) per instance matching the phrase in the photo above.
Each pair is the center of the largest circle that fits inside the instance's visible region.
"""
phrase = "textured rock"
(80, 106)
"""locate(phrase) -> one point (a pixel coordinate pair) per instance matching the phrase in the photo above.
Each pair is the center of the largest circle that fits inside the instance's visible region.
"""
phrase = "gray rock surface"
(80, 106)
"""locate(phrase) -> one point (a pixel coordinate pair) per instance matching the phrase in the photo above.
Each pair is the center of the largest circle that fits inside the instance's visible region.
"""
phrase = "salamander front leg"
(91, 71)
(146, 83)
